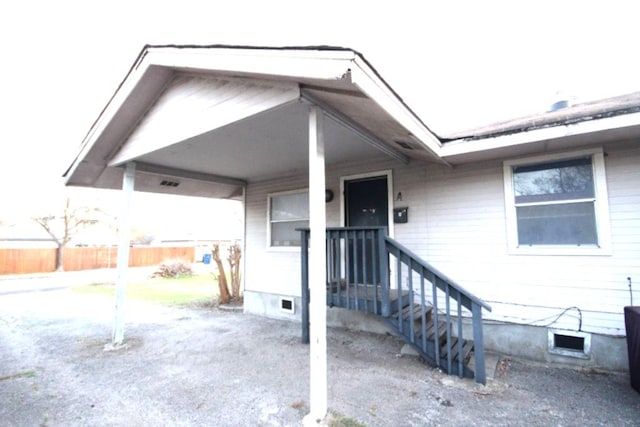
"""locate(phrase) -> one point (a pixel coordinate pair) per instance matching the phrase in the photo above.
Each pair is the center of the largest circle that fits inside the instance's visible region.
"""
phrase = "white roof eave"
(463, 147)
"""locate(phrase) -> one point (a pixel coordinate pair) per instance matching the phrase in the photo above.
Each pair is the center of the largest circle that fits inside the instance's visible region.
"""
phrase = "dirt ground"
(200, 367)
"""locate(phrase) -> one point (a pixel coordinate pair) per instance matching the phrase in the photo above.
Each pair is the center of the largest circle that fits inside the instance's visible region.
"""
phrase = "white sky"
(456, 64)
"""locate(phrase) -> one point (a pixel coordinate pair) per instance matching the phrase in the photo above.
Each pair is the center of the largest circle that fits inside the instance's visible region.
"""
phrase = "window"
(557, 204)
(287, 212)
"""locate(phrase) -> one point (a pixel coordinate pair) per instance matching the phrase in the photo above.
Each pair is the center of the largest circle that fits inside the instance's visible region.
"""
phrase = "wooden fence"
(21, 261)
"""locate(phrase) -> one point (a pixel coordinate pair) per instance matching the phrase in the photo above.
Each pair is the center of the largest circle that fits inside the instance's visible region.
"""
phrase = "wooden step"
(417, 313)
(442, 331)
(467, 347)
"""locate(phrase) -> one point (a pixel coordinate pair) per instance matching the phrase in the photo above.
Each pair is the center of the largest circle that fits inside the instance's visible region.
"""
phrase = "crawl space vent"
(287, 305)
(569, 343)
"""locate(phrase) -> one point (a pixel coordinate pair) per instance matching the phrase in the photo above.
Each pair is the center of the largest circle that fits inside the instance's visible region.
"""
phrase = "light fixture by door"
(328, 195)
(399, 196)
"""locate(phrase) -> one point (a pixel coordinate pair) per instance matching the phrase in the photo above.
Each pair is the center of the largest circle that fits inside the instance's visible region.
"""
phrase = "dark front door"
(366, 202)
(366, 205)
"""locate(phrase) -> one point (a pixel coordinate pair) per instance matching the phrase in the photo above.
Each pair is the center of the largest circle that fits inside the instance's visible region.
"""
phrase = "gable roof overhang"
(217, 117)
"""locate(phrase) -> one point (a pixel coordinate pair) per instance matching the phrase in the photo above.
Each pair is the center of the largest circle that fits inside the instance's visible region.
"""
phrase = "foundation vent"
(287, 305)
(569, 343)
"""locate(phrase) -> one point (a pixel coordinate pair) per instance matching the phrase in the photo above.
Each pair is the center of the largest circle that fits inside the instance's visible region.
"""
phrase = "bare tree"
(235, 254)
(225, 295)
(63, 227)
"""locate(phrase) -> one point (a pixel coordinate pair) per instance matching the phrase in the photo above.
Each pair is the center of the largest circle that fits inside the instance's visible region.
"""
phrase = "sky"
(457, 64)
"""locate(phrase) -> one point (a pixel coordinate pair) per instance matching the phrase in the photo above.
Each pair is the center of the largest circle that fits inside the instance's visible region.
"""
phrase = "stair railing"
(357, 271)
(362, 255)
(426, 285)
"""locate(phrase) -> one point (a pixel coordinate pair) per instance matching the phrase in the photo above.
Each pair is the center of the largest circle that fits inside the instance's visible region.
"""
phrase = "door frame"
(388, 173)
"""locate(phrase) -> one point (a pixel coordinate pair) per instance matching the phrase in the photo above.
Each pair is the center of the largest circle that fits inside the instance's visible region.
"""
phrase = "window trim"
(601, 206)
(269, 222)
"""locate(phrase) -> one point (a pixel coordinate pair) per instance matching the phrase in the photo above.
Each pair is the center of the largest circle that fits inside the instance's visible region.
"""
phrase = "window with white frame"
(557, 202)
(287, 212)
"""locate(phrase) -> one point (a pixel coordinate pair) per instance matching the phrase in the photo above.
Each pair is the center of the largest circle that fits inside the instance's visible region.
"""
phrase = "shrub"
(173, 268)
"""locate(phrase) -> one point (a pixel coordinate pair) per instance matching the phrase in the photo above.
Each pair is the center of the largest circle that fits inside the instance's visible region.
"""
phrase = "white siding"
(269, 270)
(465, 237)
(275, 270)
(457, 223)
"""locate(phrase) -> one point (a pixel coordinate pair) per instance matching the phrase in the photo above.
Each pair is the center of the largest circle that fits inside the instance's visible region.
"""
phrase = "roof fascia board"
(368, 81)
(459, 147)
(282, 63)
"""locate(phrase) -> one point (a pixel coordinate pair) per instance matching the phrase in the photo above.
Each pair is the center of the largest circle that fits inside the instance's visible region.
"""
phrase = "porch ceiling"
(263, 146)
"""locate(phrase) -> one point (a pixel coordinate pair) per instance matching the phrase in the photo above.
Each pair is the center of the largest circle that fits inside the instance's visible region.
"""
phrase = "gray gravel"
(197, 366)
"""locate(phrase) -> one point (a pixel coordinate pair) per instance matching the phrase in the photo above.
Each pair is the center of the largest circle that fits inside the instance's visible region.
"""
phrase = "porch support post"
(124, 225)
(317, 270)
(478, 344)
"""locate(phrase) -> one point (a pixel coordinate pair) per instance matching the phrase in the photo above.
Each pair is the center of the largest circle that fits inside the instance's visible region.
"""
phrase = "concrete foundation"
(531, 342)
(522, 341)
(270, 305)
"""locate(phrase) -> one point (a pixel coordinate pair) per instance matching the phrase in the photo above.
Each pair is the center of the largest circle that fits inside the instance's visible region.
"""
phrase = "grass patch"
(337, 420)
(179, 291)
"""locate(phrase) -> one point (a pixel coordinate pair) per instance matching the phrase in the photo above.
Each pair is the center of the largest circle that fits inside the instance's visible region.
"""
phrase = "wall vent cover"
(287, 305)
(569, 343)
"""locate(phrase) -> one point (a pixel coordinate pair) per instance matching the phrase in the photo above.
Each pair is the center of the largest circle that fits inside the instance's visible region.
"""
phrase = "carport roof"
(277, 84)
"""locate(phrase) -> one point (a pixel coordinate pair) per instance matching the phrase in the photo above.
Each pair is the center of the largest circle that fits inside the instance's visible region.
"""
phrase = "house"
(537, 219)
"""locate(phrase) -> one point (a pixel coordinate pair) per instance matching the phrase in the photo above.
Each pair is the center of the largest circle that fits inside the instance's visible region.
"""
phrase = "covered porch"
(217, 121)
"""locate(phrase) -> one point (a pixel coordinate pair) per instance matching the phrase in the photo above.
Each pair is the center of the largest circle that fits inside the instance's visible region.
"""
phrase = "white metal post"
(128, 181)
(317, 271)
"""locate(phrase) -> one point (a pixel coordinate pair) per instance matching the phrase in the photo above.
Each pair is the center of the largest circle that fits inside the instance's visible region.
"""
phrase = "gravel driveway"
(196, 366)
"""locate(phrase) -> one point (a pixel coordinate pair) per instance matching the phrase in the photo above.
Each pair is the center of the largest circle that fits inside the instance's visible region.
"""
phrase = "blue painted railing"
(424, 306)
(437, 303)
